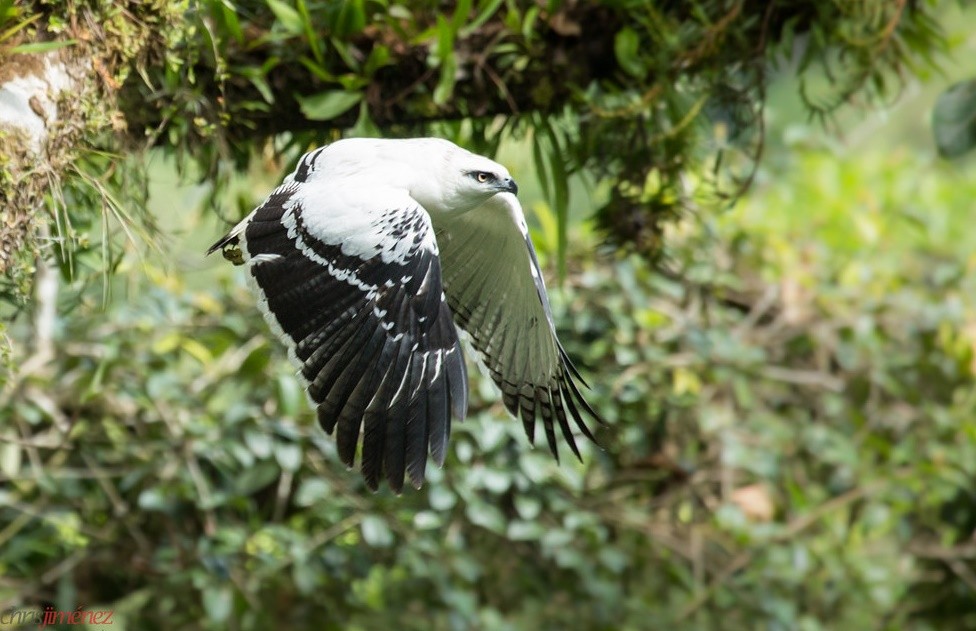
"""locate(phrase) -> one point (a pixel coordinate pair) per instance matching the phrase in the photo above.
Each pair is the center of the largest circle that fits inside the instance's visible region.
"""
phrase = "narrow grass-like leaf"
(42, 47)
(286, 15)
(16, 27)
(560, 202)
(310, 35)
(484, 14)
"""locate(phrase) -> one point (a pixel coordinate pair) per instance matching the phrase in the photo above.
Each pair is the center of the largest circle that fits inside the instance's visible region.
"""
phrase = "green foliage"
(954, 119)
(681, 84)
(789, 391)
(790, 443)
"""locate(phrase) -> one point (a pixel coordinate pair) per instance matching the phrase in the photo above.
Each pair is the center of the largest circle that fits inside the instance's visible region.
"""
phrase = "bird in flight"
(366, 261)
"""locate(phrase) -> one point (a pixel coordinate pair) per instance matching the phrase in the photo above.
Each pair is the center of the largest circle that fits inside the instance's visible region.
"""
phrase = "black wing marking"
(375, 339)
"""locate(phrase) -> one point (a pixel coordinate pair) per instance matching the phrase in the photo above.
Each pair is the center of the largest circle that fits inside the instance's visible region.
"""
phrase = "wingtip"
(417, 483)
(220, 243)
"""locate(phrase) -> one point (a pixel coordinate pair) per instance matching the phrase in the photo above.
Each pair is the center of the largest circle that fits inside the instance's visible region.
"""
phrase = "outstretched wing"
(350, 280)
(494, 287)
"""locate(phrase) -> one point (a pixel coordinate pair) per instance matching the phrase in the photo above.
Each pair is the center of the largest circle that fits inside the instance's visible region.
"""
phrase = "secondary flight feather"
(366, 260)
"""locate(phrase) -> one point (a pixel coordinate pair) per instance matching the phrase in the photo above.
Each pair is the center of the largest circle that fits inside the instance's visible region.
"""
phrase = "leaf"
(7, 34)
(528, 507)
(560, 184)
(259, 442)
(519, 530)
(426, 520)
(461, 13)
(7, 10)
(231, 23)
(626, 46)
(255, 478)
(290, 396)
(196, 350)
(540, 165)
(447, 59)
(487, 516)
(312, 491)
(341, 48)
(755, 502)
(42, 47)
(364, 126)
(442, 498)
(153, 499)
(954, 119)
(375, 531)
(328, 105)
(351, 18)
(217, 602)
(310, 35)
(286, 15)
(484, 14)
(288, 455)
(378, 58)
(445, 85)
(11, 456)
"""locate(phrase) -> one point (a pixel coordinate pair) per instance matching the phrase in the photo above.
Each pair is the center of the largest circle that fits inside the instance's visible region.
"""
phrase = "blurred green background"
(791, 438)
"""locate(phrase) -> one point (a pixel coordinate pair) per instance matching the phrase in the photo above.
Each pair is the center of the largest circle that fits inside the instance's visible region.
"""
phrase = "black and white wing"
(495, 288)
(349, 279)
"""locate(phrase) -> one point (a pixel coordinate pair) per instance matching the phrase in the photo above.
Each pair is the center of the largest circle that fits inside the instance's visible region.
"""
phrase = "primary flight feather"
(365, 259)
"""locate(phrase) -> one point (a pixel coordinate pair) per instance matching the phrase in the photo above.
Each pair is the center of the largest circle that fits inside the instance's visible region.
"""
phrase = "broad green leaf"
(626, 46)
(312, 491)
(378, 58)
(7, 10)
(351, 18)
(328, 105)
(153, 499)
(289, 18)
(954, 119)
(290, 397)
(257, 477)
(364, 126)
(487, 516)
(519, 530)
(218, 601)
(288, 455)
(259, 442)
(11, 455)
(229, 13)
(442, 498)
(376, 532)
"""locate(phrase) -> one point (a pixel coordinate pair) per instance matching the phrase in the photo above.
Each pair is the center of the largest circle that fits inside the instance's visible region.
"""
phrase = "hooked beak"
(508, 185)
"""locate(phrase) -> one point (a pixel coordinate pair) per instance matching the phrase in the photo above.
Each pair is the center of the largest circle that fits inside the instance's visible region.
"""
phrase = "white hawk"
(367, 258)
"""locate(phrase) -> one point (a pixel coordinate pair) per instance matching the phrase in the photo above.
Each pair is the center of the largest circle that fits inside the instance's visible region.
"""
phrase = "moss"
(112, 40)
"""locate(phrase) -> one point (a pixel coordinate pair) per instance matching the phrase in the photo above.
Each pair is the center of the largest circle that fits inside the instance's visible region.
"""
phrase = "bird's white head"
(462, 180)
(442, 176)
